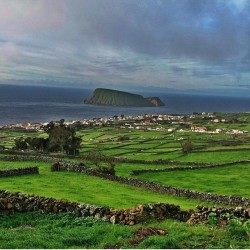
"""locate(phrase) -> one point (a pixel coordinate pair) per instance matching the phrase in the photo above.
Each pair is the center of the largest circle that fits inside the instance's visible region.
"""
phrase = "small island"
(112, 97)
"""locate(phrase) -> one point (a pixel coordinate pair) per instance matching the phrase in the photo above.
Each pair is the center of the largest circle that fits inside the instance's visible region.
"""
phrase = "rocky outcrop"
(112, 97)
(155, 101)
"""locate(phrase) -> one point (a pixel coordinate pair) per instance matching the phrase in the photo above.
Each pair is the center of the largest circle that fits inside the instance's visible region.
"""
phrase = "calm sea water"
(20, 104)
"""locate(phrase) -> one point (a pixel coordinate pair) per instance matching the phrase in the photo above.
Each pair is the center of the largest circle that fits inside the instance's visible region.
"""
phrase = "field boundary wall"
(191, 194)
(19, 171)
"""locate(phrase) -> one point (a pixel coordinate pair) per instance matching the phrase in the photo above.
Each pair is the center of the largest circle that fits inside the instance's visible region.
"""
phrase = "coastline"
(143, 122)
(32, 104)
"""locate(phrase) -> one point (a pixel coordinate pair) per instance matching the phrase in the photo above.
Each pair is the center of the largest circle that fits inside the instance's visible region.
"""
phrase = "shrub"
(237, 230)
(187, 147)
(212, 219)
(55, 167)
(123, 138)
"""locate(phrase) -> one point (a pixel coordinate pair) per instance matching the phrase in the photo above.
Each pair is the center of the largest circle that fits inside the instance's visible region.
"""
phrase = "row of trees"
(61, 138)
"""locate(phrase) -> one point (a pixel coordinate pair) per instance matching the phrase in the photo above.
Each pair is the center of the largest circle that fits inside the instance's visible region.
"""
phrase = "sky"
(186, 45)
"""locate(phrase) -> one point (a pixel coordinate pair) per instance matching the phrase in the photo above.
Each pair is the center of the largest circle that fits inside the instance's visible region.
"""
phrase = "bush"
(187, 147)
(55, 167)
(237, 230)
(101, 162)
(123, 138)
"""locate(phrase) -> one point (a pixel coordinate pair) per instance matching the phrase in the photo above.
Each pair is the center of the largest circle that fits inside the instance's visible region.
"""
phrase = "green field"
(5, 165)
(228, 180)
(34, 230)
(84, 188)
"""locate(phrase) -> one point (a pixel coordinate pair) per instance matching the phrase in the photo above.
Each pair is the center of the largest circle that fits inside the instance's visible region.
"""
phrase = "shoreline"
(119, 118)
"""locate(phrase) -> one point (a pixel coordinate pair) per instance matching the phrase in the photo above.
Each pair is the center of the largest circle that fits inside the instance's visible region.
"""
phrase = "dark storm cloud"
(167, 43)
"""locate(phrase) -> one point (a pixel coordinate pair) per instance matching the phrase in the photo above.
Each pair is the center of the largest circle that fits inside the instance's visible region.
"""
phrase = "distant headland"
(112, 97)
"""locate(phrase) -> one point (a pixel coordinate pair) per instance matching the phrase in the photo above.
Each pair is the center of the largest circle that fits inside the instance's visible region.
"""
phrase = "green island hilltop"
(112, 97)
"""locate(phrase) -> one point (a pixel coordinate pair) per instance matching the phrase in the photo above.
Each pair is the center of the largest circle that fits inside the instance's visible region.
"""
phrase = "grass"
(87, 189)
(8, 136)
(6, 165)
(223, 156)
(125, 169)
(228, 180)
(35, 230)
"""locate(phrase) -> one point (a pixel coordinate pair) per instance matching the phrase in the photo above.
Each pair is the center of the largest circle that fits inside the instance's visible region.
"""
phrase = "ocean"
(20, 104)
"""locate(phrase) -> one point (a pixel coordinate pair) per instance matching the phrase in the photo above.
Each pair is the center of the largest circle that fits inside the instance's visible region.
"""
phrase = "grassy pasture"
(35, 230)
(85, 189)
(125, 169)
(152, 145)
(228, 180)
(221, 156)
(8, 136)
(6, 165)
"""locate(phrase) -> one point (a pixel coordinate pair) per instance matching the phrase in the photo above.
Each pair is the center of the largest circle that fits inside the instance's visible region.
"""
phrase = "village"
(148, 122)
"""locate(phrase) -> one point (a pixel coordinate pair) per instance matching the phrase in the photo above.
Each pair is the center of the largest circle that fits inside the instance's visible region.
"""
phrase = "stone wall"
(187, 167)
(19, 171)
(222, 215)
(18, 202)
(202, 196)
(39, 158)
(44, 157)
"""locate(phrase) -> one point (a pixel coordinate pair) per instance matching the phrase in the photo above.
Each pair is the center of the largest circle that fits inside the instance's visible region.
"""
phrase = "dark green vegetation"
(119, 98)
(123, 139)
(61, 138)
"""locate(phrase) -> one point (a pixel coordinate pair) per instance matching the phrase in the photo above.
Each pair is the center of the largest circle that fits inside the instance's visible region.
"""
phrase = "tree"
(21, 144)
(73, 144)
(59, 137)
(100, 161)
(186, 146)
(39, 144)
(62, 138)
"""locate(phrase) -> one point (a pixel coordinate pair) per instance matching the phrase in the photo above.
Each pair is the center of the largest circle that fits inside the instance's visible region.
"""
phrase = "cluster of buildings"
(28, 126)
(150, 122)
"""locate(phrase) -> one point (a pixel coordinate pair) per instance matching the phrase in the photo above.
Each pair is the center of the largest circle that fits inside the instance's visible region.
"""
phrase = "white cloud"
(18, 17)
(9, 52)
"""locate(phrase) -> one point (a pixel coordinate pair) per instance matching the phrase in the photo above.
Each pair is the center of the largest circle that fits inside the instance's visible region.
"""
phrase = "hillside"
(111, 97)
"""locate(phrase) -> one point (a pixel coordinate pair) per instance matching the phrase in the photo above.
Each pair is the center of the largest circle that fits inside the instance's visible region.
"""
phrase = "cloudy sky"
(195, 45)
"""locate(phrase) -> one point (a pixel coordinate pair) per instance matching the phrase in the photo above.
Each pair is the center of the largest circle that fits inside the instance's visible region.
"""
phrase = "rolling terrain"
(157, 148)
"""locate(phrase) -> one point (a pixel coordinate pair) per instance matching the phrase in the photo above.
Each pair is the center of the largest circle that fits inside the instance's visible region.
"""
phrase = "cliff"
(119, 98)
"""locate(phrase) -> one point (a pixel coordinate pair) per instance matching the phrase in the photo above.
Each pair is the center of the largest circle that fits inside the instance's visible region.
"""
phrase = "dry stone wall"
(18, 202)
(38, 158)
(19, 171)
(222, 215)
(203, 196)
(187, 167)
(78, 167)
